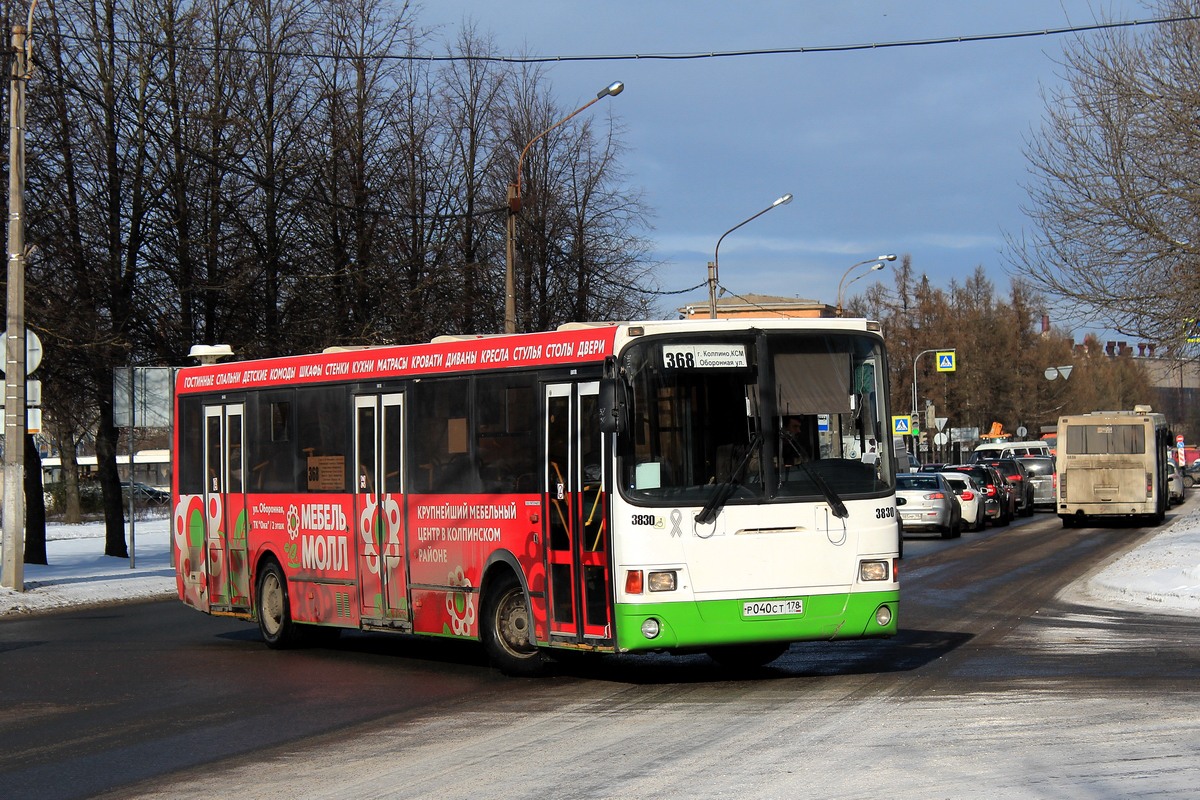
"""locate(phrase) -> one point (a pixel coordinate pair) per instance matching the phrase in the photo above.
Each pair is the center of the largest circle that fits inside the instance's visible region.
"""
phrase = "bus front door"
(225, 509)
(379, 508)
(577, 536)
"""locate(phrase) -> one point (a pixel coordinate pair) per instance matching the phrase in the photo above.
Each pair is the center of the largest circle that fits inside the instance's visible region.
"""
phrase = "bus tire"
(273, 608)
(507, 627)
(742, 657)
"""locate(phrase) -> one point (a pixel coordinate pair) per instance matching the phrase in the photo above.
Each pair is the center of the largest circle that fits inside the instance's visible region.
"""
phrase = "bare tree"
(1115, 195)
(1002, 354)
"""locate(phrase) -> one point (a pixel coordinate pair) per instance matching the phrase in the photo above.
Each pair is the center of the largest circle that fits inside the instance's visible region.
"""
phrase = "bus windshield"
(755, 416)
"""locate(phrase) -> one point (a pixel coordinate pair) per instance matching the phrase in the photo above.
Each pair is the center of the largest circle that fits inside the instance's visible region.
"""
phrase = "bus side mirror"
(612, 405)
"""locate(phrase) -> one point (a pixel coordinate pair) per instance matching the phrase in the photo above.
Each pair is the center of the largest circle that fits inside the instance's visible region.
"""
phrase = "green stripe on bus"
(720, 622)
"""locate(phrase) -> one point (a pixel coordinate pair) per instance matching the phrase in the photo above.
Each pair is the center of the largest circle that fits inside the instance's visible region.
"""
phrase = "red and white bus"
(718, 485)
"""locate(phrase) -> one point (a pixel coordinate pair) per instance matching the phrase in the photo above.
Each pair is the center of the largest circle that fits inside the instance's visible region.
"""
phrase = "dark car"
(998, 501)
(1191, 475)
(144, 495)
(1014, 473)
(1041, 474)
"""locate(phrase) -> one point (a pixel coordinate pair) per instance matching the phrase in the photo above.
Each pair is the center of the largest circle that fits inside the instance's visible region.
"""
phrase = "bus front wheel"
(273, 609)
(506, 630)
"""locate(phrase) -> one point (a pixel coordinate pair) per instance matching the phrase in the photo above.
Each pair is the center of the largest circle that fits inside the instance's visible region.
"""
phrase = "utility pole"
(12, 575)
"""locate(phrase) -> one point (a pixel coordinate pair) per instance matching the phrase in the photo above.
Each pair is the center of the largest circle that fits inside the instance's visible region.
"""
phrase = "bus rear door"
(225, 508)
(379, 507)
(577, 535)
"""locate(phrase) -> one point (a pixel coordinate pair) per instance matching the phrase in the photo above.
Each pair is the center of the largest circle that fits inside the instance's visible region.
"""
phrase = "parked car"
(970, 500)
(1014, 473)
(998, 499)
(145, 495)
(1041, 474)
(1191, 475)
(1175, 485)
(927, 503)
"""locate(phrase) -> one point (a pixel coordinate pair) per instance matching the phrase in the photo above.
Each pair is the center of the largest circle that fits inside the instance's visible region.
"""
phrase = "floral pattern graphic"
(460, 605)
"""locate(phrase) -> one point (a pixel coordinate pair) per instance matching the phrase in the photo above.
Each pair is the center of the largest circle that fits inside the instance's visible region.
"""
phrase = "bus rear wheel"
(273, 608)
(506, 630)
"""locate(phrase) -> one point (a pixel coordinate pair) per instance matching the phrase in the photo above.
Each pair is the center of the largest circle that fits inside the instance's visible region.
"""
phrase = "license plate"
(910, 516)
(772, 608)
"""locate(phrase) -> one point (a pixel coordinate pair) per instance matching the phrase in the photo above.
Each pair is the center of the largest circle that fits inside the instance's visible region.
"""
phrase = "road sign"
(33, 353)
(945, 361)
(940, 439)
(1021, 431)
(901, 426)
(941, 422)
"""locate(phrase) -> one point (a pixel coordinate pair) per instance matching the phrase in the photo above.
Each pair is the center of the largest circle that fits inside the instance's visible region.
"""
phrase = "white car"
(970, 500)
(1175, 483)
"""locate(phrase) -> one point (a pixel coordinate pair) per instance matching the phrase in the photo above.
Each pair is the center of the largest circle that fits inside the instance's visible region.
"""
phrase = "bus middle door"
(225, 522)
(379, 508)
(577, 543)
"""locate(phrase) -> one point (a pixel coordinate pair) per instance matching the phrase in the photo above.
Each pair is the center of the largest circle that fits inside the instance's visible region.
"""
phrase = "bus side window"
(505, 421)
(269, 445)
(191, 463)
(440, 434)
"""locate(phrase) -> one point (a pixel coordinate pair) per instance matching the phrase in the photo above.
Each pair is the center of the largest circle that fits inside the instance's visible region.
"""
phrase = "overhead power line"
(764, 51)
(833, 48)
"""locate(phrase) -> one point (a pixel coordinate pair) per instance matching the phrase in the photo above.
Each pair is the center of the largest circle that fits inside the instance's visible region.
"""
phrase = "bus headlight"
(872, 570)
(650, 628)
(661, 581)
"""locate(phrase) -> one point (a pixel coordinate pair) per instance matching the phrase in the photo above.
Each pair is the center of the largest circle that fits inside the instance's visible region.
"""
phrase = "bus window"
(191, 459)
(506, 422)
(321, 437)
(440, 438)
(272, 462)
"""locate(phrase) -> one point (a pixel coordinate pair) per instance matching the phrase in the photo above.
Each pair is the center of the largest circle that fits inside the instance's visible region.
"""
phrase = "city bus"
(1112, 464)
(715, 486)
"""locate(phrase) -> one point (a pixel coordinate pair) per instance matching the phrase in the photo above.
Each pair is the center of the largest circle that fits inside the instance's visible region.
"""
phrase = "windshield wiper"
(725, 490)
(831, 497)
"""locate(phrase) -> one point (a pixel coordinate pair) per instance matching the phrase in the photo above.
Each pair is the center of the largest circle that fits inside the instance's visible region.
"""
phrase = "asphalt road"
(996, 686)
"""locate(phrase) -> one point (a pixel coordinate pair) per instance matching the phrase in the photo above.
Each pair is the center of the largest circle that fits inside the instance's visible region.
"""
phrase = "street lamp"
(914, 382)
(876, 266)
(514, 207)
(712, 268)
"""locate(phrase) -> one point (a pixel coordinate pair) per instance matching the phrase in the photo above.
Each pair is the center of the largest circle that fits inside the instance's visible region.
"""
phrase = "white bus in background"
(1112, 464)
(151, 467)
(990, 451)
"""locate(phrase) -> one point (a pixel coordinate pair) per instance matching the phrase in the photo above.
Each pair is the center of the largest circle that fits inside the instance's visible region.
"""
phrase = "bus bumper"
(693, 625)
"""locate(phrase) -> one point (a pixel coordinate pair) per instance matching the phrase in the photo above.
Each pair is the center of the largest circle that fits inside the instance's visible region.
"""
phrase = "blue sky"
(908, 150)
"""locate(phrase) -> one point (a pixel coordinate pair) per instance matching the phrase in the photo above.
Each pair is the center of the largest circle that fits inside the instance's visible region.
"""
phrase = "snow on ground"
(79, 574)
(1162, 575)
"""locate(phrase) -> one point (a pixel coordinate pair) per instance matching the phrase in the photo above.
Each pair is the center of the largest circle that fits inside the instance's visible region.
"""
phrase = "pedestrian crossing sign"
(901, 426)
(945, 361)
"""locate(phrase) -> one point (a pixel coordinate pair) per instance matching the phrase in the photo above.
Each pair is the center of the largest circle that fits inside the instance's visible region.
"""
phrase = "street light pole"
(914, 381)
(877, 266)
(712, 268)
(12, 569)
(514, 208)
